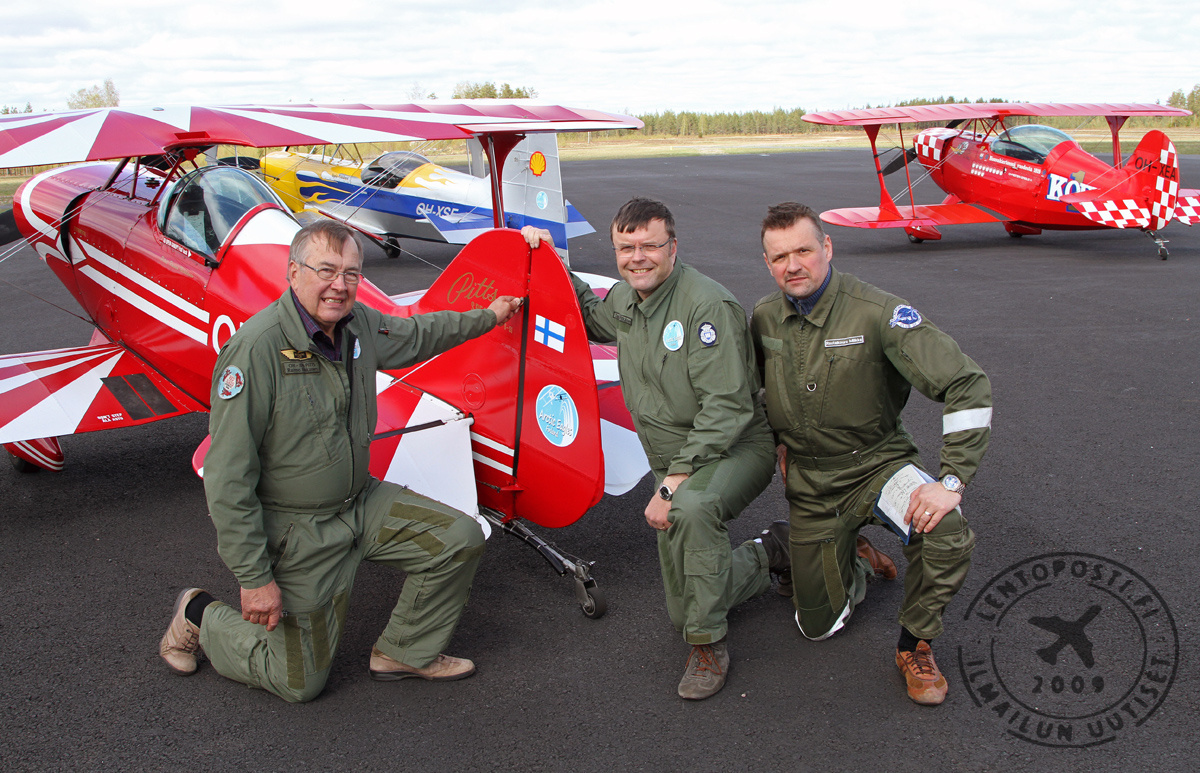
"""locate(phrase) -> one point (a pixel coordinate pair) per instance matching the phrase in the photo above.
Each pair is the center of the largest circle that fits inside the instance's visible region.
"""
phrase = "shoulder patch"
(673, 335)
(232, 382)
(905, 316)
(707, 332)
(357, 349)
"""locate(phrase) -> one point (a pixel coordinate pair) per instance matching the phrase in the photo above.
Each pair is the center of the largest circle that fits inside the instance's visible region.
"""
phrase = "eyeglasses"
(328, 274)
(649, 250)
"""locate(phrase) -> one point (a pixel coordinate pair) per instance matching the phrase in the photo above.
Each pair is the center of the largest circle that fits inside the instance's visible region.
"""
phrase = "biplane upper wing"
(966, 111)
(119, 132)
(82, 389)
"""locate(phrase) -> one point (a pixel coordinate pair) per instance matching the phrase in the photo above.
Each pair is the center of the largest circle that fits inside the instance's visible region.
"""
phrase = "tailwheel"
(914, 239)
(1161, 243)
(23, 466)
(591, 599)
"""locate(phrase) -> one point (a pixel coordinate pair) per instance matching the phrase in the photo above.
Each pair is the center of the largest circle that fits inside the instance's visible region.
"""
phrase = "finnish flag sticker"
(549, 333)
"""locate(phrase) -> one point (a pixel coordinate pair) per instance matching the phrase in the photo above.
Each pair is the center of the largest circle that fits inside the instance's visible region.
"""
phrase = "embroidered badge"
(557, 416)
(357, 348)
(850, 341)
(906, 317)
(707, 333)
(232, 382)
(673, 335)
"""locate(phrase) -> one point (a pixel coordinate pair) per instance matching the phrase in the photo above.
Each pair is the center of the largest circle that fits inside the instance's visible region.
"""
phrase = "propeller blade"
(8, 227)
(899, 161)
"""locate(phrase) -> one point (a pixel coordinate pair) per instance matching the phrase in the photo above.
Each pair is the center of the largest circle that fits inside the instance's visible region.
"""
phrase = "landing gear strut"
(1161, 242)
(591, 601)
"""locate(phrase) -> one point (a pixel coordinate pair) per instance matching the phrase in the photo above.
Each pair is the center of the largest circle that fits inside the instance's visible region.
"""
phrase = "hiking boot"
(181, 642)
(775, 538)
(444, 668)
(925, 682)
(883, 566)
(707, 666)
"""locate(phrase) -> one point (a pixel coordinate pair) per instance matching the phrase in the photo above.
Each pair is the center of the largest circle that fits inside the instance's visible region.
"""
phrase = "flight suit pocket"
(780, 413)
(851, 399)
(706, 561)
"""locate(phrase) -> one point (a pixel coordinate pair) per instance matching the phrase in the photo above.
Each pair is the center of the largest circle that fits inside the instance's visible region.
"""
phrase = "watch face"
(952, 483)
(665, 493)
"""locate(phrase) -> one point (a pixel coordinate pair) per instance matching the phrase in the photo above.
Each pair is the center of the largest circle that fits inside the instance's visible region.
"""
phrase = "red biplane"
(167, 263)
(1029, 176)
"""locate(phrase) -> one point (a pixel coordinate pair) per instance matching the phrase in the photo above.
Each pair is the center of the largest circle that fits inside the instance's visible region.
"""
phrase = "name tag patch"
(830, 343)
(298, 363)
(297, 368)
(622, 318)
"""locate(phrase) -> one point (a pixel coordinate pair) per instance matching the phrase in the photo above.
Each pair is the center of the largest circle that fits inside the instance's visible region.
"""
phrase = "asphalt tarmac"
(1091, 345)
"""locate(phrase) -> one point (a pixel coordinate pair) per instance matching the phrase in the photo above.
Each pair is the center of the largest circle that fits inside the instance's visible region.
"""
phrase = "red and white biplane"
(1029, 177)
(167, 263)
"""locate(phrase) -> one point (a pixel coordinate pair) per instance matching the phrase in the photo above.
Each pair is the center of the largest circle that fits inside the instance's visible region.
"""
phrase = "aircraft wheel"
(915, 239)
(23, 466)
(1015, 235)
(391, 251)
(596, 605)
(1162, 253)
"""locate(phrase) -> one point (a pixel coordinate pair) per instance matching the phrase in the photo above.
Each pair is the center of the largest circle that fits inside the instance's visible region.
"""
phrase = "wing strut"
(1115, 122)
(498, 147)
(886, 204)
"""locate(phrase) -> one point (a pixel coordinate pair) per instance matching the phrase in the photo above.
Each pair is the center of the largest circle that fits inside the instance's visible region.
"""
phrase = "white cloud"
(619, 54)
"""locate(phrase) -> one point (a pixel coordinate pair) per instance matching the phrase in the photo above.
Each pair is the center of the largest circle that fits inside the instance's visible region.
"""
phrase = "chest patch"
(905, 316)
(622, 318)
(232, 382)
(673, 335)
(831, 343)
(707, 333)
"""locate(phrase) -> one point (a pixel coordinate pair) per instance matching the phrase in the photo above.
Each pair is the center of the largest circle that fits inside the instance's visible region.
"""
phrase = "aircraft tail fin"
(529, 385)
(1142, 193)
(533, 192)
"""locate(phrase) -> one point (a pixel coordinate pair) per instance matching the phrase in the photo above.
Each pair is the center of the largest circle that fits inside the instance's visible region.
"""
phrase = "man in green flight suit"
(296, 512)
(688, 376)
(839, 358)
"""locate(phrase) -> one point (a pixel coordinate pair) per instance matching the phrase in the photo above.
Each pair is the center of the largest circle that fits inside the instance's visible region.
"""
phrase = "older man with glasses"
(689, 379)
(296, 512)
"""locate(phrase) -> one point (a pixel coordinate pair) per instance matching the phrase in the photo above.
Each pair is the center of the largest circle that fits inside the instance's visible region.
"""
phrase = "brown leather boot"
(925, 682)
(444, 668)
(883, 566)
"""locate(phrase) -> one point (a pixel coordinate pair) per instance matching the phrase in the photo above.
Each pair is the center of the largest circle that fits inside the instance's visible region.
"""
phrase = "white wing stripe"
(61, 412)
(21, 379)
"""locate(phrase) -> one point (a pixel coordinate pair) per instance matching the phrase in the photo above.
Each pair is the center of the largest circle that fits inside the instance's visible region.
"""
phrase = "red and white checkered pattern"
(931, 144)
(1162, 208)
(1187, 209)
(1125, 213)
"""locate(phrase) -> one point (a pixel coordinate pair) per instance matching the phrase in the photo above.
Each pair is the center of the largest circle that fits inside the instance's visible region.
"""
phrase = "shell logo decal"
(537, 164)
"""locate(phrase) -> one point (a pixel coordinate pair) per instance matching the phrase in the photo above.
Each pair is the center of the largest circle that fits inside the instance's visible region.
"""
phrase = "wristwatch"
(665, 493)
(952, 483)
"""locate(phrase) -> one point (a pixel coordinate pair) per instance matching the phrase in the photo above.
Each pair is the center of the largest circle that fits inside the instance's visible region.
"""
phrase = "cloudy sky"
(633, 56)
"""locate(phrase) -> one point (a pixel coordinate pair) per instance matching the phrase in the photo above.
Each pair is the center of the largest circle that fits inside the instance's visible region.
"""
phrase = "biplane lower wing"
(82, 389)
(924, 215)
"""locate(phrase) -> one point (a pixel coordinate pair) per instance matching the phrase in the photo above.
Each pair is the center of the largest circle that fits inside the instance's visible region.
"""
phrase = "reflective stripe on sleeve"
(975, 418)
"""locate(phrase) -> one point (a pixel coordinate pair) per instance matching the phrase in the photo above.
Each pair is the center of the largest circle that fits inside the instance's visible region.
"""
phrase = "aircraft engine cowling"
(933, 144)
